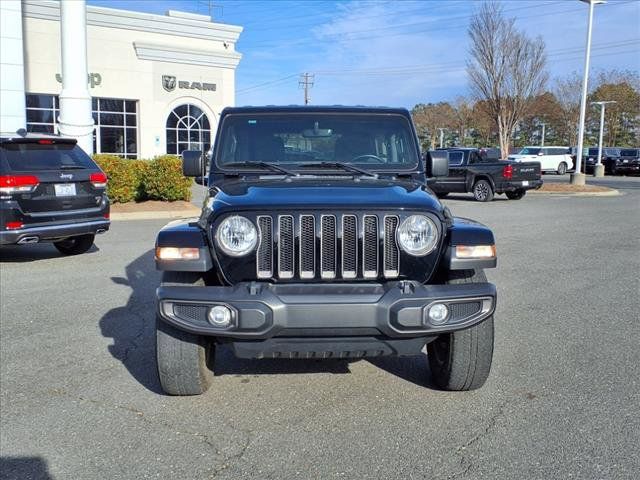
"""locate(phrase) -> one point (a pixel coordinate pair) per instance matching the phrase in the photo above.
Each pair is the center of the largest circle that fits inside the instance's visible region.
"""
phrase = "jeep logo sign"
(169, 84)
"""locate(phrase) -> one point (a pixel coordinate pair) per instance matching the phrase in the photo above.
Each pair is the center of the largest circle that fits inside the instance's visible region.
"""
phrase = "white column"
(12, 102)
(75, 118)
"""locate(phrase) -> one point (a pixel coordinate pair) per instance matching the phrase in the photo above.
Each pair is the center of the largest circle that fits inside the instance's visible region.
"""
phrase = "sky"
(394, 53)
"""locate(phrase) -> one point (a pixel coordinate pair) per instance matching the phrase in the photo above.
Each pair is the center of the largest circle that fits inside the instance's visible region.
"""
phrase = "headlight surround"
(236, 236)
(417, 235)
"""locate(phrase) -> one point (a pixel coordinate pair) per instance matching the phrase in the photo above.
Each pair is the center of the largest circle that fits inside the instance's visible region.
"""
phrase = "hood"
(332, 194)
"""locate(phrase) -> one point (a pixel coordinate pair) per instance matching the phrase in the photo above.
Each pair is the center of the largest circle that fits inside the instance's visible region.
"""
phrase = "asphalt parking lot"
(79, 397)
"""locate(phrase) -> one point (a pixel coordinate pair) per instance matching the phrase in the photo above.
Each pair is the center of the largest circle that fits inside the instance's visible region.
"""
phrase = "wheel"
(461, 360)
(516, 194)
(75, 245)
(562, 168)
(183, 359)
(482, 191)
(441, 194)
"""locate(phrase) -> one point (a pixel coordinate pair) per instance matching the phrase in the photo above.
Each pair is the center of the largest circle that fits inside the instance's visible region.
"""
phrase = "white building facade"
(158, 82)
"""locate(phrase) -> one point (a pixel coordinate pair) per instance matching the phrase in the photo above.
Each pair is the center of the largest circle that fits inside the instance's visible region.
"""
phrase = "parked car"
(294, 256)
(552, 159)
(610, 159)
(469, 171)
(50, 191)
(629, 161)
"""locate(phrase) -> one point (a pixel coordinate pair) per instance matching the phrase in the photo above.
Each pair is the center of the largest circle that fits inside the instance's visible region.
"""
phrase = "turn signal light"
(507, 172)
(13, 225)
(475, 251)
(98, 180)
(18, 183)
(174, 253)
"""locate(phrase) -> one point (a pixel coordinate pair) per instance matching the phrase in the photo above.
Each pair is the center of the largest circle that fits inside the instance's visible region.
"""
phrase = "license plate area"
(65, 189)
(525, 183)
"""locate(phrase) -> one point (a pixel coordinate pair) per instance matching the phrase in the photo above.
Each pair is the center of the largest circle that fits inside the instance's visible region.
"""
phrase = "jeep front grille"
(327, 246)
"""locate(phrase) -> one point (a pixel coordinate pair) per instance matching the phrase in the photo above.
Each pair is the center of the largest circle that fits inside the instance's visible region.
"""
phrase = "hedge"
(138, 180)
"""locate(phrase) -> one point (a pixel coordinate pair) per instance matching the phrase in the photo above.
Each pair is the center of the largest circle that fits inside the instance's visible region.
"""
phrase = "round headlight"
(417, 235)
(236, 236)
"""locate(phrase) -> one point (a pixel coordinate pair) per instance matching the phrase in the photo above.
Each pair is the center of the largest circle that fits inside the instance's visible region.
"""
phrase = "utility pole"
(598, 170)
(306, 82)
(543, 132)
(441, 136)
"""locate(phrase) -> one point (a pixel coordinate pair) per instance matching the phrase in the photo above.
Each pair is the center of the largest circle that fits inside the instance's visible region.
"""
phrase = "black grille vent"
(461, 311)
(391, 252)
(264, 256)
(307, 246)
(328, 246)
(370, 246)
(196, 313)
(285, 247)
(349, 246)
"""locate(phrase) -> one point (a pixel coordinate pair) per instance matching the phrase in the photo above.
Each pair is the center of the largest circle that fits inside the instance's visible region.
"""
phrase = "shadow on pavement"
(22, 468)
(469, 198)
(33, 253)
(132, 328)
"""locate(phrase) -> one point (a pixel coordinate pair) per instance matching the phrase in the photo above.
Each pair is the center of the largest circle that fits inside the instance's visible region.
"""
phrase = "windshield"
(529, 151)
(630, 152)
(292, 140)
(27, 157)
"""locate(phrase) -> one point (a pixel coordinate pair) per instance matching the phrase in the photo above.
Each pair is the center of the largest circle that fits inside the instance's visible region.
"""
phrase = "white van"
(552, 159)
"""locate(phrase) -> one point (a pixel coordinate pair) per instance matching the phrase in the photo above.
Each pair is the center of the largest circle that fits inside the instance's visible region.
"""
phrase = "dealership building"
(158, 82)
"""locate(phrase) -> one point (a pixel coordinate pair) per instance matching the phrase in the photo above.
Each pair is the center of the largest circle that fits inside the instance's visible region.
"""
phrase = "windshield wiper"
(345, 166)
(270, 166)
(72, 167)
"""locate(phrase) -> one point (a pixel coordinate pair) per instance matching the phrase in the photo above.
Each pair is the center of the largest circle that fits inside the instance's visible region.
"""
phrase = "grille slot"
(264, 256)
(349, 246)
(307, 246)
(197, 313)
(370, 246)
(285, 246)
(391, 252)
(328, 246)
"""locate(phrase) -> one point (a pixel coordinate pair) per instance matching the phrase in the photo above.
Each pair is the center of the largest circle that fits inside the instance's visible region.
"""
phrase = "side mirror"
(192, 164)
(438, 163)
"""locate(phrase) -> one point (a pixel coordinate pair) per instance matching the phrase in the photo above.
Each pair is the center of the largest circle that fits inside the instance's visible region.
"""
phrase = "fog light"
(219, 316)
(438, 313)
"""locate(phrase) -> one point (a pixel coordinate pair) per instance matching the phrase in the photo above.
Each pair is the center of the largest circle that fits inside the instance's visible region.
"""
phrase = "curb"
(155, 215)
(611, 193)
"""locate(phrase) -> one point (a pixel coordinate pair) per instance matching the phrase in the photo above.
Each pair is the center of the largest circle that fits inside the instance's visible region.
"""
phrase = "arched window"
(188, 128)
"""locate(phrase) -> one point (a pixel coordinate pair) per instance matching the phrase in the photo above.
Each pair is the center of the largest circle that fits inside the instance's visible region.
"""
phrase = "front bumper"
(394, 310)
(44, 233)
(628, 168)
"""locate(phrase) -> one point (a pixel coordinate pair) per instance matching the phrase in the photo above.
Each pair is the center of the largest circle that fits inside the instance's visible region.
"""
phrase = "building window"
(116, 122)
(188, 128)
(42, 113)
(116, 127)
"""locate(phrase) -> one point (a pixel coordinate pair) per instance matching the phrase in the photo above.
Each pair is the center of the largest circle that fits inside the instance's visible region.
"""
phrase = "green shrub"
(164, 180)
(138, 180)
(122, 186)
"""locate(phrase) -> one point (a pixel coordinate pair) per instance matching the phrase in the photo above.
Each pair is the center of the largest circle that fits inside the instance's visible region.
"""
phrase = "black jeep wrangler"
(320, 238)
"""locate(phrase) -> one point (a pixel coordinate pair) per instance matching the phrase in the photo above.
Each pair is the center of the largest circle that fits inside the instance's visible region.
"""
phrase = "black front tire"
(75, 245)
(482, 191)
(184, 360)
(461, 360)
(516, 194)
(442, 194)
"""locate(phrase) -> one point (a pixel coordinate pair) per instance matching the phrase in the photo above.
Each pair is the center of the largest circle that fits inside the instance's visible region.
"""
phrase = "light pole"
(543, 132)
(441, 136)
(578, 177)
(598, 170)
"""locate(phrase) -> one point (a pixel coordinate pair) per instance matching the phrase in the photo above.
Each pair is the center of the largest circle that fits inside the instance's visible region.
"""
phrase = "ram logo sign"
(169, 83)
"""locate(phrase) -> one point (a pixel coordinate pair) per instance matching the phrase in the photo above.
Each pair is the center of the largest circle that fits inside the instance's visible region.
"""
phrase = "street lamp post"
(578, 177)
(598, 170)
(543, 132)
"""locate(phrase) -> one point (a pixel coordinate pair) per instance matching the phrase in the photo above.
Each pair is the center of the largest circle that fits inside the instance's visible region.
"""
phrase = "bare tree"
(507, 69)
(567, 92)
(430, 118)
(462, 116)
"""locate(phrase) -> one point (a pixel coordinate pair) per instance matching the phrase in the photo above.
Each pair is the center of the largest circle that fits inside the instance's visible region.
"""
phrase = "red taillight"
(99, 180)
(13, 225)
(18, 183)
(45, 142)
(507, 172)
(107, 215)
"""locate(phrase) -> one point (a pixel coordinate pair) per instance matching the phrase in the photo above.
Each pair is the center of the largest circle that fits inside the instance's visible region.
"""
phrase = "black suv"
(50, 191)
(610, 159)
(629, 162)
(320, 238)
